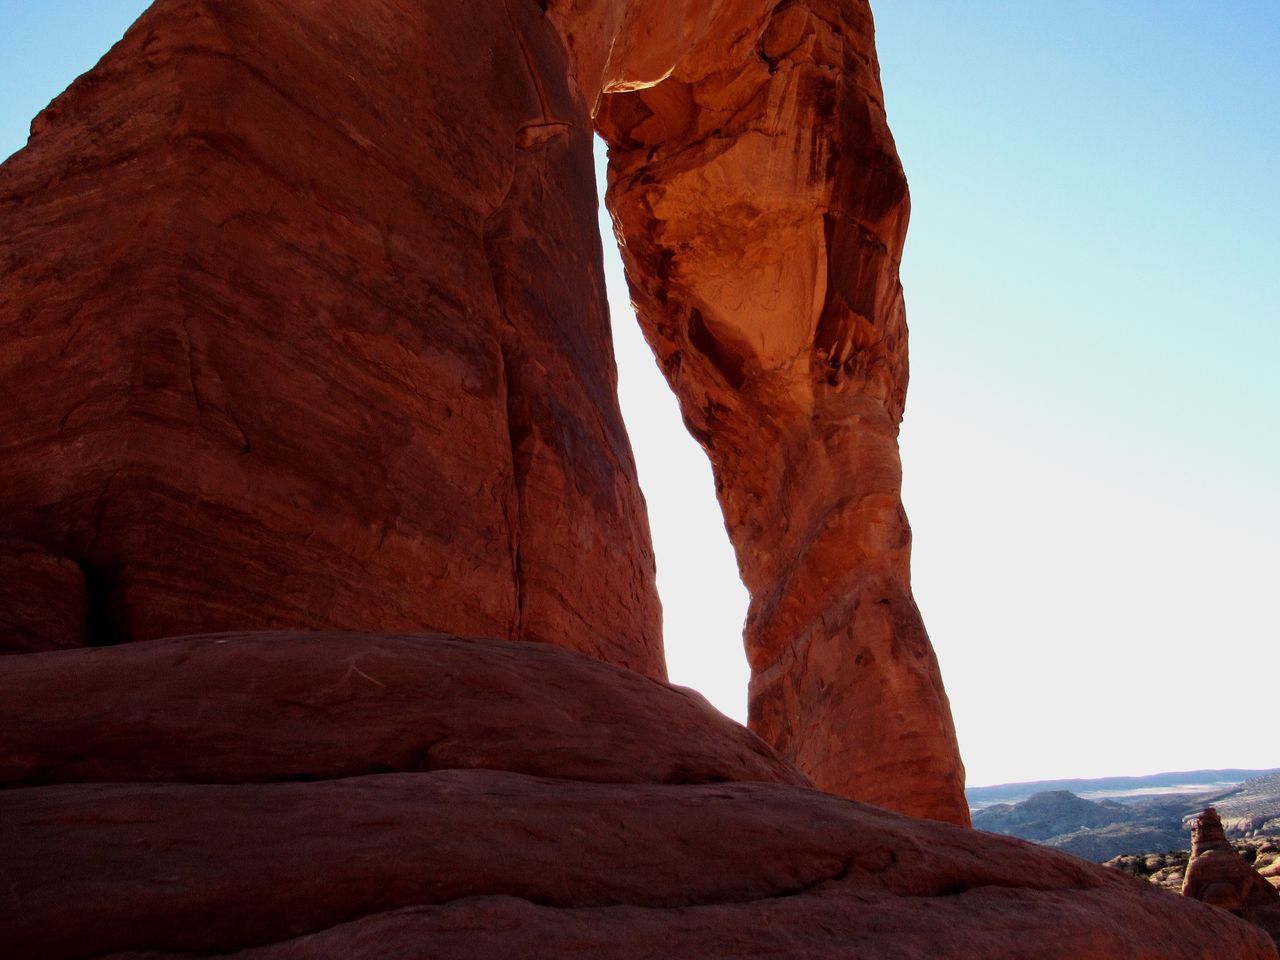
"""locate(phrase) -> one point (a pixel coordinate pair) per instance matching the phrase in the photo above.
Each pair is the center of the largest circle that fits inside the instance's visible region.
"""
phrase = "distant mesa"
(1131, 816)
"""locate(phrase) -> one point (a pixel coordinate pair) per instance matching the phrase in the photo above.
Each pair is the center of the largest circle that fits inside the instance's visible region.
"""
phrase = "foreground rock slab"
(623, 869)
(569, 808)
(291, 705)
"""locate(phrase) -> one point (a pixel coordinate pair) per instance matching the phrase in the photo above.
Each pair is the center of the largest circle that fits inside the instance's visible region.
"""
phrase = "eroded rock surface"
(255, 393)
(1216, 874)
(762, 209)
(304, 325)
(258, 707)
(477, 862)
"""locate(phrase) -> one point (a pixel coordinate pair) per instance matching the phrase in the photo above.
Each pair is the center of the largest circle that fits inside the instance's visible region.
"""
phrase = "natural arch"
(327, 348)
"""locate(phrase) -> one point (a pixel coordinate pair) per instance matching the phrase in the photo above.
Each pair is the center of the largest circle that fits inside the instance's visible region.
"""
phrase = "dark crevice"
(519, 470)
(102, 621)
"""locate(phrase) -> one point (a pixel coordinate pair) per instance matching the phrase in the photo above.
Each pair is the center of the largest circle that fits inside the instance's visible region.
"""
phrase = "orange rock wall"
(304, 325)
(762, 209)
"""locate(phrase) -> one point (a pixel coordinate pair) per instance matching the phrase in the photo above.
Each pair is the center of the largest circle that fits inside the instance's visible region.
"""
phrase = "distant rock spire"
(1218, 875)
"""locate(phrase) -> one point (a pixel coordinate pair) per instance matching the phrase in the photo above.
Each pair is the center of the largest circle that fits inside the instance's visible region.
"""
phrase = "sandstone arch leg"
(762, 208)
(304, 325)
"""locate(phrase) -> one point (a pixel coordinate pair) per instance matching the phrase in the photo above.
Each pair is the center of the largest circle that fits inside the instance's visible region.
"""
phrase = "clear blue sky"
(1092, 442)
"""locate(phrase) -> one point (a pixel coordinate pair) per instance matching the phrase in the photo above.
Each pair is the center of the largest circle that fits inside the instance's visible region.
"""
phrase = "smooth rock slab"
(620, 870)
(293, 705)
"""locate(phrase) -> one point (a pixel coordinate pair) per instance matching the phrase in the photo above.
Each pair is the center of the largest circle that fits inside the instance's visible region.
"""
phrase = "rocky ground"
(1138, 828)
(1168, 869)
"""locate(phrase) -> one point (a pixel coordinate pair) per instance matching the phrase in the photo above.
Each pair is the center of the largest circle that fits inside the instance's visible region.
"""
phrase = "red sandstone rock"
(559, 867)
(1218, 875)
(313, 334)
(304, 325)
(309, 345)
(263, 707)
(42, 600)
(476, 862)
(762, 210)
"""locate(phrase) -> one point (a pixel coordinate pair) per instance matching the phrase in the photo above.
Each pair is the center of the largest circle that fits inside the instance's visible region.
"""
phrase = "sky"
(1092, 439)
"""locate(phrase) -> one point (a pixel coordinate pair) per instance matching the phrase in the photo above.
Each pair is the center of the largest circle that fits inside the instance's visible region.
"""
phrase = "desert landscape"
(329, 622)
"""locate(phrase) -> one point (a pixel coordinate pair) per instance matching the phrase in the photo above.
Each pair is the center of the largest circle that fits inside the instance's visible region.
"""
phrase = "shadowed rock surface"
(252, 708)
(43, 602)
(478, 862)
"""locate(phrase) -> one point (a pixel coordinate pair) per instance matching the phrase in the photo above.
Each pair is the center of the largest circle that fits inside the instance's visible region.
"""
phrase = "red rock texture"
(486, 863)
(303, 325)
(42, 600)
(255, 708)
(762, 209)
(297, 346)
(1217, 874)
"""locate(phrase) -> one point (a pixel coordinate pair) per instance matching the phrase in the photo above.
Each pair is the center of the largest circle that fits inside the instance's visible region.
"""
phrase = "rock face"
(304, 325)
(259, 707)
(762, 209)
(42, 600)
(622, 845)
(1216, 874)
(301, 346)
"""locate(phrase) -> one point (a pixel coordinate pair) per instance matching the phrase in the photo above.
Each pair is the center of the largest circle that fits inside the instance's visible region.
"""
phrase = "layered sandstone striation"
(304, 325)
(619, 818)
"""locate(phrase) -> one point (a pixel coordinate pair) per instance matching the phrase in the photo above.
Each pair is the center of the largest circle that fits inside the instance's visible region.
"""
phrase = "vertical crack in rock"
(516, 434)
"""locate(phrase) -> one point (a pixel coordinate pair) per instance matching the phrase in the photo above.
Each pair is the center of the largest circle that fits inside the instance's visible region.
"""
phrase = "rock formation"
(42, 600)
(531, 800)
(1216, 874)
(304, 328)
(251, 392)
(762, 210)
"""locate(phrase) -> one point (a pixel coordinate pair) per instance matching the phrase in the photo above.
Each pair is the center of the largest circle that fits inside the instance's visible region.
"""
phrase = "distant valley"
(1105, 818)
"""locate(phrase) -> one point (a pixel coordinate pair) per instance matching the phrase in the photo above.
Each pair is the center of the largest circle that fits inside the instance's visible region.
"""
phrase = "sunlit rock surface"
(762, 210)
(304, 327)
